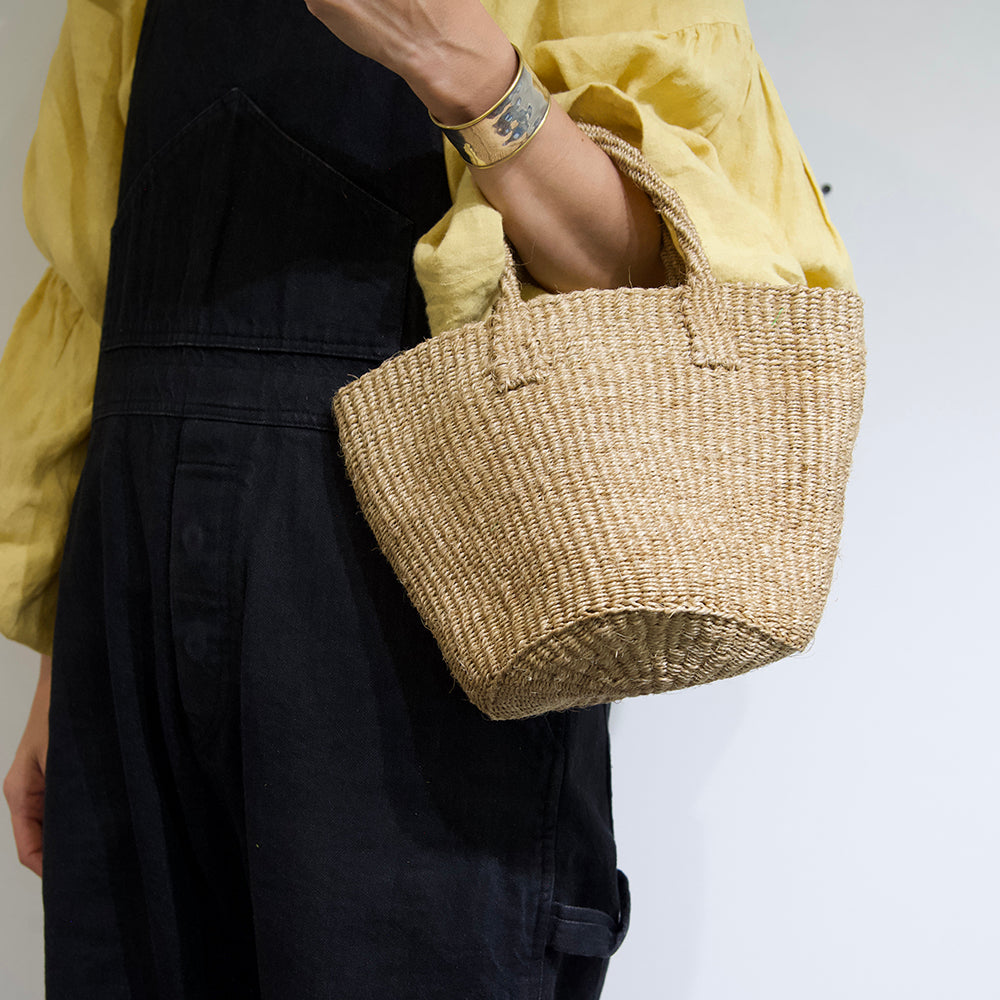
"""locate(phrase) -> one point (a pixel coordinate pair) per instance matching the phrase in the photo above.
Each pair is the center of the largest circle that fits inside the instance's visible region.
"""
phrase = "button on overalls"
(262, 781)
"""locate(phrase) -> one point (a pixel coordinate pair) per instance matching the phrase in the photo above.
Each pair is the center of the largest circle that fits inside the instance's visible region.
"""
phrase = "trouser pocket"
(581, 930)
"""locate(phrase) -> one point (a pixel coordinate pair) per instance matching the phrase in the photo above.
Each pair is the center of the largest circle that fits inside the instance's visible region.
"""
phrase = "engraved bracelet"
(506, 128)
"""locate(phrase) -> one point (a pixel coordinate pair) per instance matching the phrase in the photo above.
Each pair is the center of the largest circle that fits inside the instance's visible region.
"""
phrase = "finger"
(24, 789)
(28, 839)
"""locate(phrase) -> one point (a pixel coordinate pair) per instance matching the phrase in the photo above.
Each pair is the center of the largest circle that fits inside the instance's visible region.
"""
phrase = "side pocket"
(580, 930)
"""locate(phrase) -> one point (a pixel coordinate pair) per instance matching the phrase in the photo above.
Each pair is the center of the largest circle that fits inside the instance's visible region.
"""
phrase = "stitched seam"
(364, 352)
(308, 421)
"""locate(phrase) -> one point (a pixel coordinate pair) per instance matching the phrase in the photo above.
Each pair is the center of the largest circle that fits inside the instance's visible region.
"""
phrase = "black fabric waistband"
(243, 386)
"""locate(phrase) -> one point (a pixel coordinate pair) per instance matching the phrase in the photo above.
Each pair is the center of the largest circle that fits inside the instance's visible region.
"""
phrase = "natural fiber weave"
(609, 493)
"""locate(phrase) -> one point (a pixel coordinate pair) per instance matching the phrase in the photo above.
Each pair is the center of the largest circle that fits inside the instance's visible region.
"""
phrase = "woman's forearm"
(574, 219)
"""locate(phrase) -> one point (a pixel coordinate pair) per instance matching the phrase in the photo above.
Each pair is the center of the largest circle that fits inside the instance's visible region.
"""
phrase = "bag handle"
(517, 356)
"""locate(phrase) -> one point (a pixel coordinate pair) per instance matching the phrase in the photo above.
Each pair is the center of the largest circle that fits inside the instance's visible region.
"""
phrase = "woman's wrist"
(459, 79)
(574, 219)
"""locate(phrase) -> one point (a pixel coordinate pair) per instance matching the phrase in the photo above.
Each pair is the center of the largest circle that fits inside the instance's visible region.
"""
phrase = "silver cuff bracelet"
(506, 128)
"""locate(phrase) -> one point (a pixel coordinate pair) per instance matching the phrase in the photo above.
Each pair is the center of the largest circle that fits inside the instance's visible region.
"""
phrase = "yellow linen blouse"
(681, 79)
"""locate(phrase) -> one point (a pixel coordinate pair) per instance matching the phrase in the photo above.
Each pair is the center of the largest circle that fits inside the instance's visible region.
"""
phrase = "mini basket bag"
(607, 493)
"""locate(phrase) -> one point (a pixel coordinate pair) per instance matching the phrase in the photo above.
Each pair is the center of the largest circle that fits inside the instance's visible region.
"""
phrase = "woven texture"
(610, 493)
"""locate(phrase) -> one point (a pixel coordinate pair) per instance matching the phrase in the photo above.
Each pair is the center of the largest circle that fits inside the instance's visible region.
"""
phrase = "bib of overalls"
(273, 185)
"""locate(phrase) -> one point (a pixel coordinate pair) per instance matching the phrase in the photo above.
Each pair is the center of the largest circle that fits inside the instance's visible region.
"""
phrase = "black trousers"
(262, 782)
(261, 779)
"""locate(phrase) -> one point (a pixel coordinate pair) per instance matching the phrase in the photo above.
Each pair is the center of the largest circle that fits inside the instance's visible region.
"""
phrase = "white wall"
(825, 827)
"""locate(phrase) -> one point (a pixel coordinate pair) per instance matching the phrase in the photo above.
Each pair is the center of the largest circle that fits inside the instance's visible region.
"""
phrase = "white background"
(827, 826)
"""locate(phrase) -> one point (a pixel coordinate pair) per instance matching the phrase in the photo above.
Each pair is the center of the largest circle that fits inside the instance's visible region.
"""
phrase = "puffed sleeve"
(683, 81)
(48, 366)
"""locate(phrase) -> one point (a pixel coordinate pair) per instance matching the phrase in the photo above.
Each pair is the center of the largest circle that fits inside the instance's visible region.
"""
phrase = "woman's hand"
(395, 33)
(24, 786)
(452, 53)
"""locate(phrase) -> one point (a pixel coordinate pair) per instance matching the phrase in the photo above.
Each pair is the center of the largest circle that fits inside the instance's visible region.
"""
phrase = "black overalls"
(262, 781)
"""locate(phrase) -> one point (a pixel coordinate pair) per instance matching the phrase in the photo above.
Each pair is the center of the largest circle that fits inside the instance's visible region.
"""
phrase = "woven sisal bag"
(609, 493)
